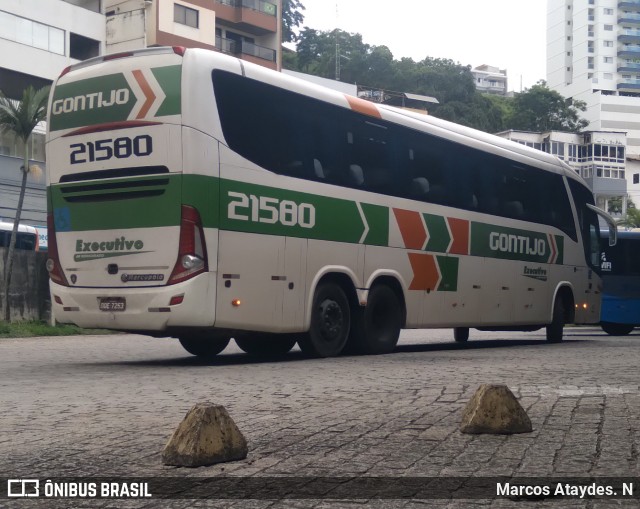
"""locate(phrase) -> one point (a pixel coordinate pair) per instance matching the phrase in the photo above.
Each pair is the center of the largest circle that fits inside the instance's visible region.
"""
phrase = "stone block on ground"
(206, 436)
(494, 409)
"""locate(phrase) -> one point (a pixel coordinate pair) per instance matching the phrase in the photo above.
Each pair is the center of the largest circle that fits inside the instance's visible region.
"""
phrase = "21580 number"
(262, 209)
(103, 150)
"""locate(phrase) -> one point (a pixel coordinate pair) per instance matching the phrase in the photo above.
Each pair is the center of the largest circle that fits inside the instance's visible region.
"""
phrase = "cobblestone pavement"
(104, 406)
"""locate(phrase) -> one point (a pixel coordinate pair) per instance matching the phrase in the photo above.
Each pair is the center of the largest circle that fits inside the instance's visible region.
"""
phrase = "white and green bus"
(197, 196)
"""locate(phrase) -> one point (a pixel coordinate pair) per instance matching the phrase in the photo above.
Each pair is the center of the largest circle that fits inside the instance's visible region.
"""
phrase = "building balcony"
(629, 67)
(247, 51)
(629, 18)
(629, 36)
(629, 85)
(629, 5)
(256, 17)
(629, 52)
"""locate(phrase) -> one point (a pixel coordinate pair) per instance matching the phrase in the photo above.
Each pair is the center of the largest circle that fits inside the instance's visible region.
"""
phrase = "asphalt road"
(104, 406)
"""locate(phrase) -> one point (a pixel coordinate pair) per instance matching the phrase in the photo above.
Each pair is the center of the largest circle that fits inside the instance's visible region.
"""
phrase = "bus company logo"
(126, 278)
(90, 101)
(535, 273)
(605, 266)
(94, 250)
(23, 488)
(517, 244)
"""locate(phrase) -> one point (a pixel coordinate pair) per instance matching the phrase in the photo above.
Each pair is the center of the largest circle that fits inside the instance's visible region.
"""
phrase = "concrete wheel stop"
(207, 435)
(494, 409)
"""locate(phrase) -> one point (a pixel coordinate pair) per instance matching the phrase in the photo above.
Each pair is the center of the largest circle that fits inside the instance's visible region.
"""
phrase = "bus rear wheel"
(616, 329)
(556, 328)
(266, 345)
(330, 322)
(376, 326)
(203, 347)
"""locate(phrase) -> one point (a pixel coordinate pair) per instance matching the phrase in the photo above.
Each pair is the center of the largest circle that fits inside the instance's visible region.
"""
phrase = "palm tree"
(632, 219)
(20, 118)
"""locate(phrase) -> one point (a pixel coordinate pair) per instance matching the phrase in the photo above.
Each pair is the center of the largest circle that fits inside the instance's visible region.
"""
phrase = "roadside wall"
(29, 293)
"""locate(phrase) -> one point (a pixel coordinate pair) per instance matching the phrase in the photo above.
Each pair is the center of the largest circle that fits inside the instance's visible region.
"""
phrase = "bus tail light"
(53, 261)
(192, 253)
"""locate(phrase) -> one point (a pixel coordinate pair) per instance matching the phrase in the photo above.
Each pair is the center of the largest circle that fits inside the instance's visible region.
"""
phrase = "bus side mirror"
(611, 223)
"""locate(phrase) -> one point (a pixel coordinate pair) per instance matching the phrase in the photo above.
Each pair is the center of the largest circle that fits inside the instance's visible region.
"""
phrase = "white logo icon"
(23, 488)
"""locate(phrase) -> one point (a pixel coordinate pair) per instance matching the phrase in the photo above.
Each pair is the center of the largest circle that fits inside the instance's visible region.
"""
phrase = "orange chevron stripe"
(553, 256)
(411, 228)
(146, 90)
(460, 234)
(425, 272)
(362, 106)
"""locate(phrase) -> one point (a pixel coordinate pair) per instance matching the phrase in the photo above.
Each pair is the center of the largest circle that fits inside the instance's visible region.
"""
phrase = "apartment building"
(598, 156)
(593, 55)
(247, 29)
(37, 40)
(490, 80)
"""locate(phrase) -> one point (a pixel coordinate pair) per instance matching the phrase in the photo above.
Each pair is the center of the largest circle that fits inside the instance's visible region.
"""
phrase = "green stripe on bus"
(377, 218)
(169, 80)
(240, 206)
(439, 236)
(449, 270)
(116, 208)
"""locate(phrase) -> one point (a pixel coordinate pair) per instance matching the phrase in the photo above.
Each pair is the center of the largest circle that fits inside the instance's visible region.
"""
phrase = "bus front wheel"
(330, 322)
(556, 328)
(203, 347)
(265, 345)
(376, 326)
(616, 329)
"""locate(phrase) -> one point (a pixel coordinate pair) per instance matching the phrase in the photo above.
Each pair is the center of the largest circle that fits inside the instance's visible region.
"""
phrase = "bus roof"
(5, 226)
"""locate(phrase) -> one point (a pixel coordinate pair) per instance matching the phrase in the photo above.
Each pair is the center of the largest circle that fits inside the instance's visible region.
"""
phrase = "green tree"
(541, 109)
(292, 18)
(20, 118)
(632, 218)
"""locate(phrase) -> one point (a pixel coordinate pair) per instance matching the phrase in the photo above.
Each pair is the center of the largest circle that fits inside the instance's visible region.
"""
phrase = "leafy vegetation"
(20, 118)
(536, 109)
(38, 328)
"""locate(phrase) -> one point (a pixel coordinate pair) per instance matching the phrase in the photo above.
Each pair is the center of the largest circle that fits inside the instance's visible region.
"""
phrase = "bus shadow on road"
(238, 358)
(477, 345)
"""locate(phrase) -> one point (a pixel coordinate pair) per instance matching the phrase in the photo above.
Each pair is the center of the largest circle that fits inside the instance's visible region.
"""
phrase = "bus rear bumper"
(146, 309)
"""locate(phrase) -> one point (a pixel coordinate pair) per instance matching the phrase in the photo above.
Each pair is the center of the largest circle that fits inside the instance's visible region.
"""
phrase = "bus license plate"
(112, 304)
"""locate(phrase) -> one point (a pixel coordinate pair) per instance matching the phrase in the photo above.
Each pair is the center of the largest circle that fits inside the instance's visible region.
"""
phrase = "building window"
(608, 44)
(31, 33)
(636, 178)
(185, 16)
(608, 60)
(608, 12)
(608, 28)
(82, 48)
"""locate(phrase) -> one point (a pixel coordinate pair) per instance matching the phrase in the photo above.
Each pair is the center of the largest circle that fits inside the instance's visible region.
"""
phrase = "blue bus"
(620, 267)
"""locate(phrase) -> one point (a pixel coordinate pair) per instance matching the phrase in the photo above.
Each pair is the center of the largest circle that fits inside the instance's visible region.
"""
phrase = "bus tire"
(376, 326)
(616, 329)
(556, 328)
(330, 322)
(461, 334)
(203, 347)
(266, 345)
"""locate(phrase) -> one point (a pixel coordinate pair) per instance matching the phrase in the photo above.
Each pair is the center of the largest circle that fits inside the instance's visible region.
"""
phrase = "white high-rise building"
(593, 55)
(38, 39)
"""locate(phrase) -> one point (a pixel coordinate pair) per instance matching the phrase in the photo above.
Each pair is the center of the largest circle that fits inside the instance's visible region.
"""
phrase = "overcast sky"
(509, 34)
